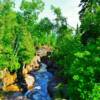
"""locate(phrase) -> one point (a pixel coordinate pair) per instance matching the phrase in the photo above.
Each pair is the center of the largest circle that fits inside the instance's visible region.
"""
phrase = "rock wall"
(10, 82)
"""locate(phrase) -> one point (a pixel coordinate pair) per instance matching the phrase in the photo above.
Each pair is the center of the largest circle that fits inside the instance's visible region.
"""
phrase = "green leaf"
(76, 77)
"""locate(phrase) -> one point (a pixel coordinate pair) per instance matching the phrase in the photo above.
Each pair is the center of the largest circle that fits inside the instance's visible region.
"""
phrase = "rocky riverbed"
(46, 84)
(45, 87)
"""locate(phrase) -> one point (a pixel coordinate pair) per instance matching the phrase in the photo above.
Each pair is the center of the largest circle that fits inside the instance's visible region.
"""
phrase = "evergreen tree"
(16, 42)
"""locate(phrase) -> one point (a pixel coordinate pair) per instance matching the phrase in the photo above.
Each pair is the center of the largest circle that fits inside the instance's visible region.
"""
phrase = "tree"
(60, 22)
(89, 24)
(16, 42)
(84, 72)
(45, 25)
(30, 11)
(7, 57)
(88, 5)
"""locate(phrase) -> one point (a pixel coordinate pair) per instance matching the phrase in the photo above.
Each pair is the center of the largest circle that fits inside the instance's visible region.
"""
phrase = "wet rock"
(30, 80)
(18, 96)
(36, 63)
(43, 50)
(43, 68)
(1, 85)
(57, 88)
(15, 96)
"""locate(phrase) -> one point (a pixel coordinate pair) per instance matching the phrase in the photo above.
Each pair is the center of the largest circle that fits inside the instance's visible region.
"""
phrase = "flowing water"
(44, 86)
(42, 80)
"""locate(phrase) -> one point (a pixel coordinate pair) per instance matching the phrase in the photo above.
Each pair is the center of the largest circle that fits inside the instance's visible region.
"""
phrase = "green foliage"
(45, 39)
(43, 33)
(80, 66)
(60, 25)
(91, 18)
(66, 47)
(45, 25)
(96, 92)
(7, 37)
(16, 43)
(88, 5)
(84, 72)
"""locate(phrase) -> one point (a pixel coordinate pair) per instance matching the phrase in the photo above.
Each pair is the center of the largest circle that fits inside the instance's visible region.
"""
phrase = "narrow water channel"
(42, 79)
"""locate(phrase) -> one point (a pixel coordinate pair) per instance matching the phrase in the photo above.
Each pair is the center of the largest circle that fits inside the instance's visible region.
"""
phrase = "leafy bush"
(96, 92)
(64, 52)
(85, 72)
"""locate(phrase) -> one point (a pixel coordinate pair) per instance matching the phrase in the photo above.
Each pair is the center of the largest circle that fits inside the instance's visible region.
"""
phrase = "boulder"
(9, 82)
(11, 88)
(9, 79)
(35, 63)
(30, 80)
(43, 51)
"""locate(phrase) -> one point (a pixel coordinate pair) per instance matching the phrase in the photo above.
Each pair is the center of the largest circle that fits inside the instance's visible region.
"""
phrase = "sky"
(69, 9)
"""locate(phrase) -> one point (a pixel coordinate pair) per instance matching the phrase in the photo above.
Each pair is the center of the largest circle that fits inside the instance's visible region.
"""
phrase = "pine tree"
(16, 42)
